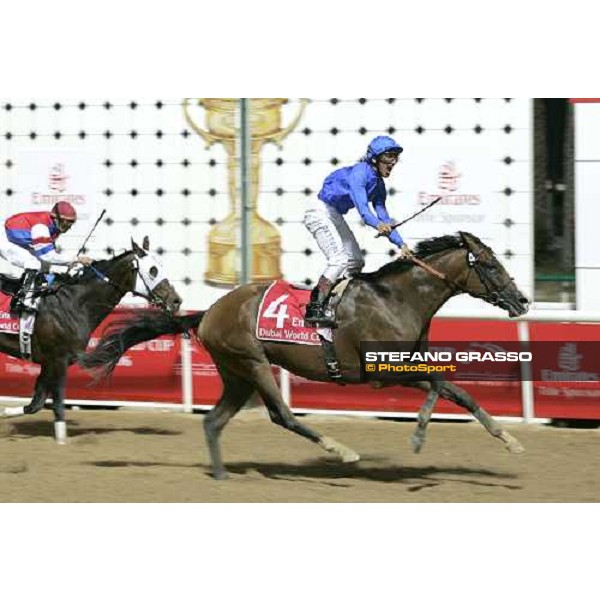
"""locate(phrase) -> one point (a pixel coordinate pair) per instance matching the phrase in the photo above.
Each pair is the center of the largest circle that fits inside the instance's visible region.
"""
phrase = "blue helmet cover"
(382, 144)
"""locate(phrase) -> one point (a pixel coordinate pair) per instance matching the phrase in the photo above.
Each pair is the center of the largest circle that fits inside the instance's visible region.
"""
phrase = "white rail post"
(526, 377)
(187, 382)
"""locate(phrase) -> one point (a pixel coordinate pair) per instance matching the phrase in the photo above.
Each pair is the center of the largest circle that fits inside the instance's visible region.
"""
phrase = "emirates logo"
(58, 179)
(448, 177)
(568, 358)
(448, 187)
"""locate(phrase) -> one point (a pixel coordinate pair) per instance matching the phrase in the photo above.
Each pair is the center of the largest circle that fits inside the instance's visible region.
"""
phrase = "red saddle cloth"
(8, 323)
(281, 316)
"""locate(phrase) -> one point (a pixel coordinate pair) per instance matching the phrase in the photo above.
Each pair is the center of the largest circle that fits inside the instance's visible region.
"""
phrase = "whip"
(415, 215)
(87, 239)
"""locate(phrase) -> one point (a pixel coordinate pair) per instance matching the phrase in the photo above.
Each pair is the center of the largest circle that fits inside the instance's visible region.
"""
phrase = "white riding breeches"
(335, 239)
(16, 255)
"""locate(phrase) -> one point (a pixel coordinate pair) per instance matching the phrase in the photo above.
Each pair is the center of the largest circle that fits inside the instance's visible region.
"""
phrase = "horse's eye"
(153, 272)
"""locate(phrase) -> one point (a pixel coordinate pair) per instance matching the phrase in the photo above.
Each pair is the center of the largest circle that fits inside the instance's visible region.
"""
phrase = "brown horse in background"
(395, 303)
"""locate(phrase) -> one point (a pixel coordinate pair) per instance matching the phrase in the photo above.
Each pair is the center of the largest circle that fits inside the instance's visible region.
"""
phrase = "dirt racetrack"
(135, 456)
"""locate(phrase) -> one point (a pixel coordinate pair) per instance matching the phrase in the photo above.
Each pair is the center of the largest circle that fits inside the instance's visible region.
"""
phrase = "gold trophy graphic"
(223, 239)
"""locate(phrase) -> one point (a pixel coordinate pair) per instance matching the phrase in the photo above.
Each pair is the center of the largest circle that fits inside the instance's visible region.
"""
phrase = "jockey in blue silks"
(362, 187)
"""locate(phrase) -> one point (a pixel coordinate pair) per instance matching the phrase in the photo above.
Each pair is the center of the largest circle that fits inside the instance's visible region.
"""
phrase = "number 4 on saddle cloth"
(281, 319)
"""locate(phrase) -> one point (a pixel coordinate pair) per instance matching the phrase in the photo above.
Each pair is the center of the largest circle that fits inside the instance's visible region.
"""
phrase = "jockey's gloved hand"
(405, 251)
(384, 229)
(86, 261)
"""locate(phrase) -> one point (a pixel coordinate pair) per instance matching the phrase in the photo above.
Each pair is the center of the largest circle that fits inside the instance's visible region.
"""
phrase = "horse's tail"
(123, 334)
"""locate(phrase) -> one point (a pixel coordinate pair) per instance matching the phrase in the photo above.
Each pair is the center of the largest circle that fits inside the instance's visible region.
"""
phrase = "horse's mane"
(423, 250)
(100, 264)
(103, 266)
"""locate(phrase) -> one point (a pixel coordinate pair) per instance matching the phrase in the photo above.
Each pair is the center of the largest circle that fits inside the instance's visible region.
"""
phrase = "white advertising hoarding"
(153, 171)
(46, 176)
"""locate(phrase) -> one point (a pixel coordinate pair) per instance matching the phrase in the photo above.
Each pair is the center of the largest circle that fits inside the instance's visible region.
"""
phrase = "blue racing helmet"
(382, 144)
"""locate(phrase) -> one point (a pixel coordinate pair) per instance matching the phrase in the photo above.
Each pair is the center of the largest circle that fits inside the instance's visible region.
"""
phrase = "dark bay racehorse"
(396, 303)
(72, 309)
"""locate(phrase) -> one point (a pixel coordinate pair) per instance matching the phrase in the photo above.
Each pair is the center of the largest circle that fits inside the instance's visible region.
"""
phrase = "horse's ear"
(146, 243)
(138, 251)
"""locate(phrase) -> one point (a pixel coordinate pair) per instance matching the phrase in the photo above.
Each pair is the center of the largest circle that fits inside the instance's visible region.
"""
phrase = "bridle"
(150, 296)
(491, 295)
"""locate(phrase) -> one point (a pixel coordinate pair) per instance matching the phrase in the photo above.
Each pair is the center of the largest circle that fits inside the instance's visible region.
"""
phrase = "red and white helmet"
(64, 211)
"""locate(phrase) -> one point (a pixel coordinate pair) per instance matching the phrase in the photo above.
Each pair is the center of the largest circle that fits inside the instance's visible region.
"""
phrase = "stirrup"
(15, 305)
(18, 307)
(317, 317)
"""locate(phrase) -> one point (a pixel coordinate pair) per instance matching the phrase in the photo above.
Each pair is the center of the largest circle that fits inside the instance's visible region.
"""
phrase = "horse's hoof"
(417, 444)
(221, 475)
(350, 457)
(12, 411)
(515, 447)
(60, 432)
(512, 444)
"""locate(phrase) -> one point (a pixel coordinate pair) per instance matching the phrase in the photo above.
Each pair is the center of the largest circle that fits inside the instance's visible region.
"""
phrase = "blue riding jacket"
(355, 187)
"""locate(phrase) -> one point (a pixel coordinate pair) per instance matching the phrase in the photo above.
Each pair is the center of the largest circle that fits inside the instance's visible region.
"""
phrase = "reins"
(451, 284)
(150, 297)
(474, 265)
(429, 269)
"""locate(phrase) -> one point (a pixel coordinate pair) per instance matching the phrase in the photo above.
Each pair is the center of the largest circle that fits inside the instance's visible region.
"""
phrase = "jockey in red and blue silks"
(36, 232)
(362, 187)
(28, 241)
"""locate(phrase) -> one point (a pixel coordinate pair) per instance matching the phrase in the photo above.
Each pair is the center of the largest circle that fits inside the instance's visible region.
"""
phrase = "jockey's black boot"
(28, 285)
(316, 315)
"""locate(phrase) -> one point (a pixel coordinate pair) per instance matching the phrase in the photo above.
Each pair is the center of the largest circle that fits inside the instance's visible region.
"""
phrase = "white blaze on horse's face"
(150, 274)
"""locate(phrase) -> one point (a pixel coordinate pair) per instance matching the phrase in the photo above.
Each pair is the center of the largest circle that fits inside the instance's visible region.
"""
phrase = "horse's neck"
(101, 297)
(432, 291)
(451, 265)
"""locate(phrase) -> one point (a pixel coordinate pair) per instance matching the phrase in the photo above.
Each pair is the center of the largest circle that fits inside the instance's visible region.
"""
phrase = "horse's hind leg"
(462, 398)
(281, 414)
(236, 392)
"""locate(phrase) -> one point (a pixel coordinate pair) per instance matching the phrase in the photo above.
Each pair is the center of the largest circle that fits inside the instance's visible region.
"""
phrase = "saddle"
(11, 286)
(281, 319)
(18, 318)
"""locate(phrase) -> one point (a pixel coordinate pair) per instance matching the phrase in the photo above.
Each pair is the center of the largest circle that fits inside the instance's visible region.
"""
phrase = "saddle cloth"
(21, 325)
(281, 315)
(8, 323)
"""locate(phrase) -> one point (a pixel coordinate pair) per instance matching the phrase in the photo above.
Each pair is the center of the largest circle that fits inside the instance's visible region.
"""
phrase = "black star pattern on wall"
(126, 173)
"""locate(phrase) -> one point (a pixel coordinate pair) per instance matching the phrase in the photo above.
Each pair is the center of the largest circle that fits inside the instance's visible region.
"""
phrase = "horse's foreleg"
(40, 394)
(418, 437)
(462, 398)
(58, 405)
